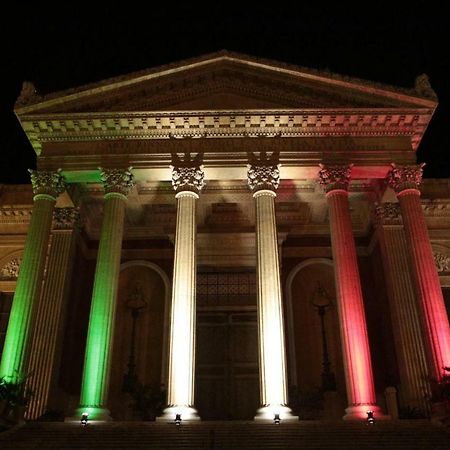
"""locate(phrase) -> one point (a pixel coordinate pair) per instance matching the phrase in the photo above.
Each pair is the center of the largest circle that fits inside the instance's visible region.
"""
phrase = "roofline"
(369, 87)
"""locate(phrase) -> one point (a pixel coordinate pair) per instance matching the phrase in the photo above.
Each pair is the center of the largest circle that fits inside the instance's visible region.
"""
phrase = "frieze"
(335, 177)
(47, 182)
(10, 271)
(117, 180)
(405, 177)
(442, 262)
(283, 123)
(11, 215)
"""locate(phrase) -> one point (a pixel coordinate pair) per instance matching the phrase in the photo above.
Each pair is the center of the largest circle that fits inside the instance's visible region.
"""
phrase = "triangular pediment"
(223, 81)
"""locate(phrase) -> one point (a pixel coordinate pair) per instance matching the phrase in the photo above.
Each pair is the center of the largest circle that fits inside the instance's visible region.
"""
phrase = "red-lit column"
(355, 342)
(405, 181)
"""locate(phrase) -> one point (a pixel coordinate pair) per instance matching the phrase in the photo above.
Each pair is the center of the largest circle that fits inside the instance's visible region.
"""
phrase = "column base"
(359, 412)
(94, 415)
(267, 413)
(187, 414)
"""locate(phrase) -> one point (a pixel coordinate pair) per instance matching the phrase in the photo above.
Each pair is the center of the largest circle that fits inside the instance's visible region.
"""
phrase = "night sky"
(77, 45)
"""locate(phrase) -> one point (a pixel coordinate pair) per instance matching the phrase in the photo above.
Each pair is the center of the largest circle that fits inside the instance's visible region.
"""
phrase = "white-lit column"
(263, 179)
(407, 333)
(187, 181)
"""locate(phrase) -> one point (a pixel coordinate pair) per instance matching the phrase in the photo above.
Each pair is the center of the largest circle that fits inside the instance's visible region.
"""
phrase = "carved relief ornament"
(188, 178)
(335, 177)
(10, 271)
(442, 262)
(405, 177)
(117, 180)
(50, 183)
(388, 213)
(66, 218)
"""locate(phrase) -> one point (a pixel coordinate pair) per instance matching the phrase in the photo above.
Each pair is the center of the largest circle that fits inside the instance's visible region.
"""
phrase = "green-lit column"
(95, 384)
(46, 187)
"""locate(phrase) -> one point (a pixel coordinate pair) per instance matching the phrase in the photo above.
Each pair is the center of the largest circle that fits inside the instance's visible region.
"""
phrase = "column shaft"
(408, 340)
(18, 337)
(94, 388)
(48, 335)
(429, 292)
(182, 328)
(355, 342)
(272, 356)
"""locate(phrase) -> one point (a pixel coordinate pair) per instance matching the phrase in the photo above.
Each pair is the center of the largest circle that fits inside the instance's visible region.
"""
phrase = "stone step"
(402, 435)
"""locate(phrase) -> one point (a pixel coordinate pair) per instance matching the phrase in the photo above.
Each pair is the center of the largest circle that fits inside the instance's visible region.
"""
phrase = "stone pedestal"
(50, 319)
(187, 181)
(16, 351)
(263, 179)
(409, 346)
(95, 384)
(355, 343)
(405, 181)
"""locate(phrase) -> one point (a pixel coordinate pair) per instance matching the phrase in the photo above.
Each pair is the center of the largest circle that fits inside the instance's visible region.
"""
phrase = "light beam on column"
(95, 384)
(46, 187)
(355, 342)
(263, 180)
(406, 181)
(187, 180)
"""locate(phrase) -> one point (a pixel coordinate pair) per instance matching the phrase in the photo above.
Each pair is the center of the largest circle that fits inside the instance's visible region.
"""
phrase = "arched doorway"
(142, 304)
(311, 285)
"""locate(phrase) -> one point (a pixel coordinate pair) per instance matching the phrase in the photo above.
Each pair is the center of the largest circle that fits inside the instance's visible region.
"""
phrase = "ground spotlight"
(84, 418)
(276, 419)
(370, 418)
(177, 420)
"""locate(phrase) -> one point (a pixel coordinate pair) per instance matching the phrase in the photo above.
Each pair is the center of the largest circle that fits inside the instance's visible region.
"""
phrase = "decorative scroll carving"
(187, 173)
(50, 183)
(10, 271)
(117, 180)
(423, 87)
(263, 172)
(66, 218)
(442, 262)
(28, 95)
(388, 213)
(405, 177)
(335, 177)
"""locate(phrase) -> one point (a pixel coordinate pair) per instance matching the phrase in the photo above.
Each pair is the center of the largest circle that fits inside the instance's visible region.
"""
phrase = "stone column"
(263, 179)
(50, 319)
(95, 384)
(406, 181)
(355, 343)
(16, 351)
(408, 341)
(187, 181)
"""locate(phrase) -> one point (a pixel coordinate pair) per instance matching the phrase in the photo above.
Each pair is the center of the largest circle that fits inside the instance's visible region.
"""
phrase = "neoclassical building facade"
(254, 239)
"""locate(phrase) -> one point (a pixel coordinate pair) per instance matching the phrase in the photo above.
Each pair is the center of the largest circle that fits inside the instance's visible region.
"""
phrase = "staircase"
(399, 435)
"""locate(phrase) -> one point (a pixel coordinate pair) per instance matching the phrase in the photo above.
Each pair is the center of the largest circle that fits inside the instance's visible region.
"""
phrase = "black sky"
(383, 42)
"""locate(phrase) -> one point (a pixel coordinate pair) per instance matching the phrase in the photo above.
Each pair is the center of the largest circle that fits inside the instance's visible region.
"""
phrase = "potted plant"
(148, 400)
(16, 396)
(440, 396)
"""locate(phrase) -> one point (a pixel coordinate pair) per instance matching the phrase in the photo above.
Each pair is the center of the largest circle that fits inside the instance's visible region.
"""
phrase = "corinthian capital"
(405, 177)
(187, 173)
(117, 180)
(335, 177)
(263, 172)
(47, 182)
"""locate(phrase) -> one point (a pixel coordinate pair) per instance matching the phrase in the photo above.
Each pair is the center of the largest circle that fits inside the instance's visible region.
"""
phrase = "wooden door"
(227, 381)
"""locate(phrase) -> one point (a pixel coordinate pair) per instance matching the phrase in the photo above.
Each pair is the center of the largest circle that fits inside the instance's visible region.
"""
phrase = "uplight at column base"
(187, 414)
(359, 412)
(267, 413)
(94, 415)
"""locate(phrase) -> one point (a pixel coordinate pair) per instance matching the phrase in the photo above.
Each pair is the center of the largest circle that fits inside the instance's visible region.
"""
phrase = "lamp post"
(321, 301)
(135, 303)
